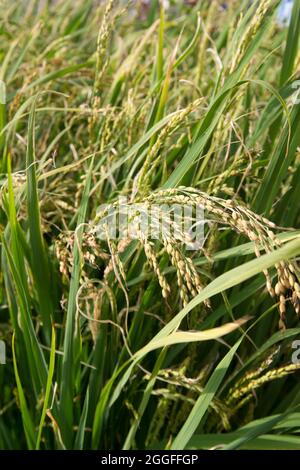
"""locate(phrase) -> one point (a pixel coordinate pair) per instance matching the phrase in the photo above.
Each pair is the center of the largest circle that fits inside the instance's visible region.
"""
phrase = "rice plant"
(137, 341)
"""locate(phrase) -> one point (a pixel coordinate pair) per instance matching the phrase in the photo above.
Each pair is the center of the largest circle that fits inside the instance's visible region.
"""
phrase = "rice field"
(178, 329)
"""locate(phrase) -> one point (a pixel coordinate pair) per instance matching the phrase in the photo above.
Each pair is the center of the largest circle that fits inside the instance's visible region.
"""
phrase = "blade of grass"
(40, 264)
(199, 409)
(291, 47)
(28, 425)
(70, 341)
(48, 388)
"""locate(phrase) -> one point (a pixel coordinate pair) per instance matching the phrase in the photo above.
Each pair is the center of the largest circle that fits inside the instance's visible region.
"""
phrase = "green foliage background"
(95, 363)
